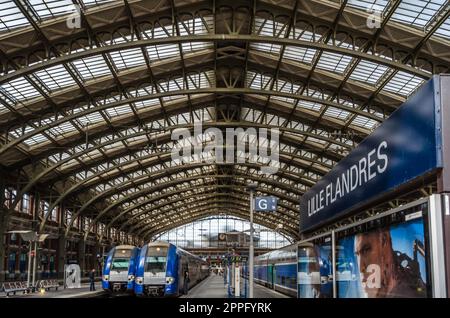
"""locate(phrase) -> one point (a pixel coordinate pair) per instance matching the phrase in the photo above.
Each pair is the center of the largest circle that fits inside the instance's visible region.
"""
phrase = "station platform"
(82, 292)
(214, 287)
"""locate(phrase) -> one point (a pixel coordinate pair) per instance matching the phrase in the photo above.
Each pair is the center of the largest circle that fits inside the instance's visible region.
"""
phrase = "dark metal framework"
(86, 112)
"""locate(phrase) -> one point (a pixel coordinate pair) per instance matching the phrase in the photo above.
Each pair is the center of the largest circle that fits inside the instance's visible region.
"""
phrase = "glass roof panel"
(195, 46)
(19, 90)
(403, 83)
(127, 58)
(299, 54)
(146, 103)
(96, 2)
(417, 13)
(368, 5)
(43, 9)
(266, 47)
(10, 16)
(336, 113)
(368, 72)
(54, 78)
(364, 122)
(91, 67)
(334, 62)
(118, 111)
(444, 29)
(36, 139)
(62, 129)
(93, 118)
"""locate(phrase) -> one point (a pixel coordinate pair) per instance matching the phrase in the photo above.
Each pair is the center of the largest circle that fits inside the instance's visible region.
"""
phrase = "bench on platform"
(14, 287)
(47, 284)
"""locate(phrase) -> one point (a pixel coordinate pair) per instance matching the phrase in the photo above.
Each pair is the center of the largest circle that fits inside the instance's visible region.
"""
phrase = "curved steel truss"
(90, 95)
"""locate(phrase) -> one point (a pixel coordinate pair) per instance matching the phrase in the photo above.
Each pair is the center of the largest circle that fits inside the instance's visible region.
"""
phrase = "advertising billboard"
(398, 253)
(404, 147)
(387, 261)
(315, 269)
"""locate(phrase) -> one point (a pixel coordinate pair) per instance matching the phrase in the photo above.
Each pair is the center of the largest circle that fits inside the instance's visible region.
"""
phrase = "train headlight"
(169, 280)
(130, 278)
(139, 280)
(105, 278)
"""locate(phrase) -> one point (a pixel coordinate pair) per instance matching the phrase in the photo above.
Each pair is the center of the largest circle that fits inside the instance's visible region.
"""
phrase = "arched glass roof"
(90, 92)
(205, 233)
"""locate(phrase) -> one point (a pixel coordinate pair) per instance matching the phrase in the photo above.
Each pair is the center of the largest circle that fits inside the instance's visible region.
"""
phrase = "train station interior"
(224, 149)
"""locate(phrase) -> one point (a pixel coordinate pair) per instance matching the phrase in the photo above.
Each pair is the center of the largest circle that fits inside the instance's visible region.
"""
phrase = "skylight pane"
(368, 72)
(334, 62)
(368, 5)
(19, 90)
(159, 52)
(147, 103)
(55, 78)
(96, 2)
(10, 16)
(128, 58)
(118, 111)
(336, 113)
(36, 139)
(417, 13)
(299, 54)
(91, 67)
(266, 47)
(364, 122)
(195, 46)
(52, 8)
(403, 83)
(444, 29)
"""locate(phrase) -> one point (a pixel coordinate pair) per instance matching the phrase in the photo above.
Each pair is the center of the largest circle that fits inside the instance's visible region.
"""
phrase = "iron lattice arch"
(87, 112)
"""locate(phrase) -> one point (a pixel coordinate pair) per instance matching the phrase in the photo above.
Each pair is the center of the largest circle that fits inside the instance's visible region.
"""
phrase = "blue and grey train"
(120, 269)
(162, 267)
(278, 270)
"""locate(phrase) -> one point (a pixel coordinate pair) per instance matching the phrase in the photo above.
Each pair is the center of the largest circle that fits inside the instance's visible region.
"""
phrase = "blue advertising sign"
(265, 204)
(405, 146)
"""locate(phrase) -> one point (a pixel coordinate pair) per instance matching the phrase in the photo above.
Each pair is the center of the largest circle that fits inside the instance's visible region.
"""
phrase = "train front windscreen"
(121, 260)
(156, 260)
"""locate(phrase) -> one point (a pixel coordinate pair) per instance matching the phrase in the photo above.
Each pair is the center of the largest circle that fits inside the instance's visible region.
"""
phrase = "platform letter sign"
(265, 204)
(405, 147)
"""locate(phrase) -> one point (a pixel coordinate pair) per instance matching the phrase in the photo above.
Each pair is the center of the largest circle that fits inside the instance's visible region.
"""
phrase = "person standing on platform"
(186, 282)
(92, 280)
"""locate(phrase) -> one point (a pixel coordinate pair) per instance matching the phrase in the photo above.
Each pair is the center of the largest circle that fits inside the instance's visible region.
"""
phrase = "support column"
(97, 251)
(443, 181)
(61, 254)
(3, 229)
(4, 218)
(82, 256)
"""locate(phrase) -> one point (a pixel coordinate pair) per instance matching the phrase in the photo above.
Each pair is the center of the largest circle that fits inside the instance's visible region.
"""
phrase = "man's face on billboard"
(370, 250)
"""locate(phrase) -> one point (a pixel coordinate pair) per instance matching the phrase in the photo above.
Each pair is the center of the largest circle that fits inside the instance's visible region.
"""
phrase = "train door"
(184, 277)
(270, 275)
(274, 280)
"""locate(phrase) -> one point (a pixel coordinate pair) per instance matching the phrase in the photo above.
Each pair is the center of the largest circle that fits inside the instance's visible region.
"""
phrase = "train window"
(120, 263)
(156, 259)
(155, 264)
(121, 259)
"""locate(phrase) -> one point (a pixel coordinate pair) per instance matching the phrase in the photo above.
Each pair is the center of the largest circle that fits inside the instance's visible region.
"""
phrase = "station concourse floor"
(213, 287)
